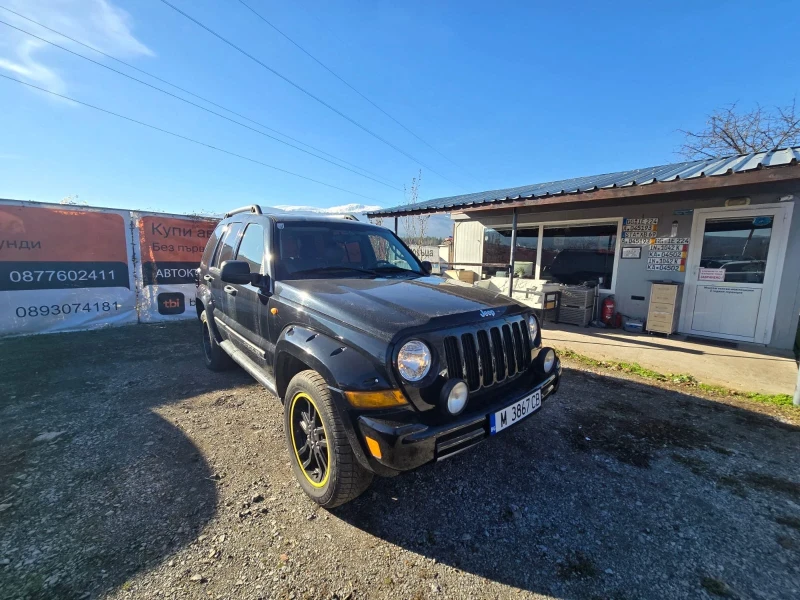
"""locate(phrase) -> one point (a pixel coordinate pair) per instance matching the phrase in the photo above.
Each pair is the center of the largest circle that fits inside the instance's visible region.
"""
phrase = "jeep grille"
(490, 355)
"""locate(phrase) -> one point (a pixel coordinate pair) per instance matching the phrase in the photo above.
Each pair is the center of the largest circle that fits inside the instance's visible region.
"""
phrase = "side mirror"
(260, 281)
(235, 271)
(427, 267)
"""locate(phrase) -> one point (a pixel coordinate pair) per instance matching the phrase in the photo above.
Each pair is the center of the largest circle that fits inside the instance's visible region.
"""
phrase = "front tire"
(322, 459)
(215, 357)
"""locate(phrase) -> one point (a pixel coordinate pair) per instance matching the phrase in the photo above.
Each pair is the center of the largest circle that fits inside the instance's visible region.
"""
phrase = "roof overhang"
(773, 177)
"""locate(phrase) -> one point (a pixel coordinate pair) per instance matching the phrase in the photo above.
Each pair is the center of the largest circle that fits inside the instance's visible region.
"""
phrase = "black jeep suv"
(380, 366)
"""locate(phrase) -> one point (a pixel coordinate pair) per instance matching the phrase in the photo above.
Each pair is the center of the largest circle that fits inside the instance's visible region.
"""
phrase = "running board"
(248, 365)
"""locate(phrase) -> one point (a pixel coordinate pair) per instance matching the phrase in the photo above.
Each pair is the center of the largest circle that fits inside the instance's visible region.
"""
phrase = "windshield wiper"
(333, 268)
(396, 269)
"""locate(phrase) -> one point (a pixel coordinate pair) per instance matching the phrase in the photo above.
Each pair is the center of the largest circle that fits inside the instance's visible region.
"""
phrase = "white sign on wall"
(711, 274)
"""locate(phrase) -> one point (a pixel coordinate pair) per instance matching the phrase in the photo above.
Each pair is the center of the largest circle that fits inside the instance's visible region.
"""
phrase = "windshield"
(315, 250)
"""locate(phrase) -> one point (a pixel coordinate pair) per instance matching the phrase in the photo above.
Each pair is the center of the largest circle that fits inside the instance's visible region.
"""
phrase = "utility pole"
(797, 390)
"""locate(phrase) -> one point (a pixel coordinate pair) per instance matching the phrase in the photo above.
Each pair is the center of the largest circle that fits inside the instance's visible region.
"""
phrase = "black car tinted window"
(251, 248)
(211, 246)
(225, 249)
(325, 249)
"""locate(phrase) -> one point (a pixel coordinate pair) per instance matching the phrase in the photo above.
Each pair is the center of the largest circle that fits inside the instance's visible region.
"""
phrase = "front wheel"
(322, 459)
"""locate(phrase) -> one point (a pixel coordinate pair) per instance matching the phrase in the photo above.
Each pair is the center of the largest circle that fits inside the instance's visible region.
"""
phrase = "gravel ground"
(129, 471)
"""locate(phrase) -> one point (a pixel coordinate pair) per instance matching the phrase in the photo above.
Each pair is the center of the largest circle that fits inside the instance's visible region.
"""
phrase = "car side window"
(211, 246)
(225, 249)
(251, 248)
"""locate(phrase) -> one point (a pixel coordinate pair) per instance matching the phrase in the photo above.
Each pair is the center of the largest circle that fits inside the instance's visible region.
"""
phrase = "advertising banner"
(64, 268)
(170, 248)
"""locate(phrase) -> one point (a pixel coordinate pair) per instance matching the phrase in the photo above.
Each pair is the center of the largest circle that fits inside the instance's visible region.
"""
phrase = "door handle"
(208, 278)
(229, 289)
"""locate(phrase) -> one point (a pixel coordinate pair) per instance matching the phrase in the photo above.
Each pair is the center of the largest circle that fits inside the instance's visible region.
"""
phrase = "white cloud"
(344, 208)
(97, 23)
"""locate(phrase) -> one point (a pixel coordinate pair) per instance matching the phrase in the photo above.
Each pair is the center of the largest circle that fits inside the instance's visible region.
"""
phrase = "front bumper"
(406, 446)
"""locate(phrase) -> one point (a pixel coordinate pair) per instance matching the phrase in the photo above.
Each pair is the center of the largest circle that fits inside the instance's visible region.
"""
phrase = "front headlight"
(533, 328)
(414, 360)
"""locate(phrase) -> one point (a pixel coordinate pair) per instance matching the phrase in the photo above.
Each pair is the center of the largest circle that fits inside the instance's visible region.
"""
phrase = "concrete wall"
(632, 277)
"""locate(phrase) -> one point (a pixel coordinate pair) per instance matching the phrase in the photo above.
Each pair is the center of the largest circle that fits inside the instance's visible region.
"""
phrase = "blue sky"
(513, 92)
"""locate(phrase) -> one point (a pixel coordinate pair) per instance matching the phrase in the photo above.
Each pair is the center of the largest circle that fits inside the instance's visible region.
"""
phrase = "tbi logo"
(171, 303)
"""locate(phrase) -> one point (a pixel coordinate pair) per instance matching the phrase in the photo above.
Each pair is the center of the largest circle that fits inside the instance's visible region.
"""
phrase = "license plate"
(516, 412)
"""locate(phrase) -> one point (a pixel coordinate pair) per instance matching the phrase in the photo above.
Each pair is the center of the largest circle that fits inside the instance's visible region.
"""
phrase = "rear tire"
(316, 436)
(215, 357)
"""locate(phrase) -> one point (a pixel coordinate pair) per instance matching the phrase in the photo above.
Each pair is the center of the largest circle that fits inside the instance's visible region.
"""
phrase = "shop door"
(734, 272)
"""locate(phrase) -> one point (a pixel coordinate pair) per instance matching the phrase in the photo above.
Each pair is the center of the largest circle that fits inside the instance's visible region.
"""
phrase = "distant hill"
(440, 226)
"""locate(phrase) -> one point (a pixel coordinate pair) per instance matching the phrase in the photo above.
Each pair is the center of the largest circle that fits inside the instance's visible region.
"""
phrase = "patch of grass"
(577, 566)
(788, 521)
(683, 379)
(779, 399)
(716, 587)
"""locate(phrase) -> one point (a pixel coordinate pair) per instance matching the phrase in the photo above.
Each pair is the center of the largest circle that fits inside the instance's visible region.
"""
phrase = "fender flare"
(207, 299)
(341, 365)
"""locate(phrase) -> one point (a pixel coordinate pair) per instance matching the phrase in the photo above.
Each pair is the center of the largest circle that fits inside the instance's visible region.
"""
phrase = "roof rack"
(253, 208)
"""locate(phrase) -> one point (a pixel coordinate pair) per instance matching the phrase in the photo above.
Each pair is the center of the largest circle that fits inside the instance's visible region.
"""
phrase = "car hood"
(385, 306)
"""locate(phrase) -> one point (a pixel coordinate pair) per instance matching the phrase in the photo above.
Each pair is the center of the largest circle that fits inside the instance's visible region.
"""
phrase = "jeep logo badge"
(487, 313)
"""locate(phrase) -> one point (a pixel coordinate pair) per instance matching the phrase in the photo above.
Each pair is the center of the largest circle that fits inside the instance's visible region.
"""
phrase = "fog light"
(548, 360)
(454, 396)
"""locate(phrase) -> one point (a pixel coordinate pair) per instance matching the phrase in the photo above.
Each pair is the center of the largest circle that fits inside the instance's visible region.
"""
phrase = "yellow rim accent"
(294, 442)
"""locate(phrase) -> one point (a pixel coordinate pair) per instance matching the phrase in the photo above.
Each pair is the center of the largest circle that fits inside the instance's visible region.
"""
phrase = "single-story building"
(724, 231)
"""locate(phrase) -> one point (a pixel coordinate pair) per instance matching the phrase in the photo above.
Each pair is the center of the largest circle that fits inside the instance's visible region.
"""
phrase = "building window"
(497, 249)
(579, 253)
(740, 246)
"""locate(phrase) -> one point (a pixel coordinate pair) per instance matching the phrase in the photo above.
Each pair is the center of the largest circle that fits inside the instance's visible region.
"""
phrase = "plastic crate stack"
(577, 305)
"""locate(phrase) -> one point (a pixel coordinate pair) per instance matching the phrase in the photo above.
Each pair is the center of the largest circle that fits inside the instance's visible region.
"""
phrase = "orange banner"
(34, 234)
(172, 248)
(170, 239)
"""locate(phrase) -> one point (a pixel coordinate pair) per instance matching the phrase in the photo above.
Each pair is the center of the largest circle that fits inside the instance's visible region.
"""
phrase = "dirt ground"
(127, 470)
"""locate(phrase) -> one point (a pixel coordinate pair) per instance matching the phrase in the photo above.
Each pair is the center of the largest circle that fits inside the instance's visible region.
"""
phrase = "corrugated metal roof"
(712, 167)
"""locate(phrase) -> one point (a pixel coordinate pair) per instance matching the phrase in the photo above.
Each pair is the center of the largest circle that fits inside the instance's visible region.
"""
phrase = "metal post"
(513, 247)
(395, 225)
(797, 390)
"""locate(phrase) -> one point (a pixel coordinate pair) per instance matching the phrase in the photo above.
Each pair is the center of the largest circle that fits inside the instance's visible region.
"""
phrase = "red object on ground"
(618, 320)
(609, 307)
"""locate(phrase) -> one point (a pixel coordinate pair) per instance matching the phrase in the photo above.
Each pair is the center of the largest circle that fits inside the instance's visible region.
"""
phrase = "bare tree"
(732, 131)
(415, 226)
